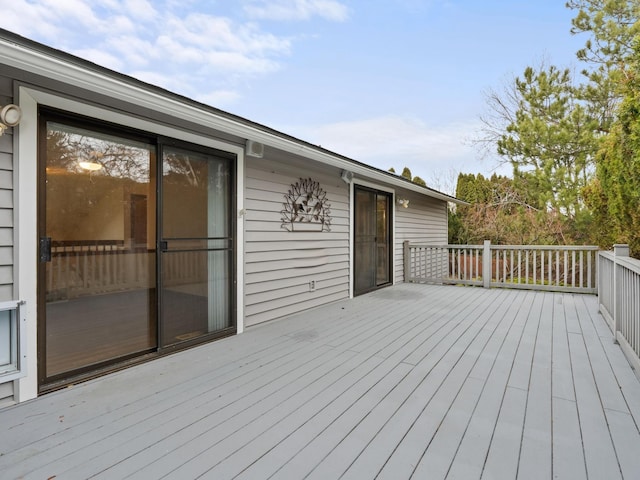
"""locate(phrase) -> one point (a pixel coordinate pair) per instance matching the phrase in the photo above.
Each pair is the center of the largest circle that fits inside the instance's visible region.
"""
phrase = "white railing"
(456, 264)
(619, 299)
(533, 267)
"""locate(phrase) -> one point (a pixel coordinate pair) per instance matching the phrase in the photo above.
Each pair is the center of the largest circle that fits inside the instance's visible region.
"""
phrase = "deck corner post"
(407, 261)
(620, 250)
(486, 264)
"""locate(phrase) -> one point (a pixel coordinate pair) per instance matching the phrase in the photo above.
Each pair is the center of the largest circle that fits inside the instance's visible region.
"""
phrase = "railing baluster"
(511, 267)
(504, 266)
(519, 265)
(464, 259)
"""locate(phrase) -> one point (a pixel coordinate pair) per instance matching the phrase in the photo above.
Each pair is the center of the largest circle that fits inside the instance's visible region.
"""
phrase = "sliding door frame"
(47, 382)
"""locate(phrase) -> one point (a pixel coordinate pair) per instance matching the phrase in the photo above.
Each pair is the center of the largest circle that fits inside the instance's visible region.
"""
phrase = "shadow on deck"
(410, 381)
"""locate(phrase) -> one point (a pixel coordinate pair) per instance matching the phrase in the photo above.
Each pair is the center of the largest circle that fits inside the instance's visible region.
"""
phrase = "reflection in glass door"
(372, 239)
(97, 240)
(196, 245)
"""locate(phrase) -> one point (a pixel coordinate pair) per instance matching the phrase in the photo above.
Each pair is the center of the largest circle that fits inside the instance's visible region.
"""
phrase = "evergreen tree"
(614, 85)
(550, 143)
(498, 212)
(614, 195)
(406, 173)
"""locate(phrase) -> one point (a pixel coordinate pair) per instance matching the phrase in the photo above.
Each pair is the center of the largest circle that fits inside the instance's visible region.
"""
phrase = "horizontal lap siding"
(425, 220)
(280, 264)
(6, 217)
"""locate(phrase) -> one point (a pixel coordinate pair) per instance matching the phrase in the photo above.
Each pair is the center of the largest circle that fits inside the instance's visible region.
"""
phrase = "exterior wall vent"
(255, 149)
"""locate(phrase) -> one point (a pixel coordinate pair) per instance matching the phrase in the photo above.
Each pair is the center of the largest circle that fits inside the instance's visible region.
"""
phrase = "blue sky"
(391, 83)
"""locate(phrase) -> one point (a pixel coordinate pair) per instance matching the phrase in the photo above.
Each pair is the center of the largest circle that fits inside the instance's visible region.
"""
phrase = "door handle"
(164, 246)
(45, 249)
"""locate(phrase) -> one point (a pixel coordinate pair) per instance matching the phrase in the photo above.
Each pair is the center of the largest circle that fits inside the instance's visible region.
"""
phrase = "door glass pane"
(197, 246)
(382, 239)
(365, 241)
(100, 217)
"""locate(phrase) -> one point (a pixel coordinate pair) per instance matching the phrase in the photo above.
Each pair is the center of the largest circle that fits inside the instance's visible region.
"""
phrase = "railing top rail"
(546, 247)
(607, 254)
(629, 263)
(511, 247)
(434, 245)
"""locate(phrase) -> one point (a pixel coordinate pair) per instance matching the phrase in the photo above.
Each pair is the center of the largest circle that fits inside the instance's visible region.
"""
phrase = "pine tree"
(614, 195)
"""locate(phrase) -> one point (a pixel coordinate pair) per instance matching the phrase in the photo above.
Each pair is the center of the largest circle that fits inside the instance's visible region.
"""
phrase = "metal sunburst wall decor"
(306, 208)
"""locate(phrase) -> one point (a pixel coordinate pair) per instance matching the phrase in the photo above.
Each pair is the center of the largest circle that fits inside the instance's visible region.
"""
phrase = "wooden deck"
(412, 381)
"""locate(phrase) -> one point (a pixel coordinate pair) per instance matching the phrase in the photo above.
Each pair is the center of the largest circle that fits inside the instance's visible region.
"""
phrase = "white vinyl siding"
(6, 219)
(6, 199)
(425, 220)
(280, 264)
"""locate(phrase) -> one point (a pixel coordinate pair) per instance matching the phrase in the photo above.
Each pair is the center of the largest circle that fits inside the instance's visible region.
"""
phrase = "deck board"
(474, 447)
(411, 381)
(535, 449)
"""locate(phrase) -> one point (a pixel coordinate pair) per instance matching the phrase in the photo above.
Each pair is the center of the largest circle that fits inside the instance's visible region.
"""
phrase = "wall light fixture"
(10, 116)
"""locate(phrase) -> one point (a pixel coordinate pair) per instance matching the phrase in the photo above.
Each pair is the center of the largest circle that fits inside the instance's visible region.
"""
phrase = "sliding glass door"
(136, 249)
(97, 249)
(196, 245)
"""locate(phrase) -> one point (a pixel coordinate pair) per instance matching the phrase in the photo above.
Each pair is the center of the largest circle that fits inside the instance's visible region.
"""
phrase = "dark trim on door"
(366, 240)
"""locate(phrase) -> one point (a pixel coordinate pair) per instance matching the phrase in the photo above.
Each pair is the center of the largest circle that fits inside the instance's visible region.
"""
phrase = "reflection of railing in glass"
(83, 268)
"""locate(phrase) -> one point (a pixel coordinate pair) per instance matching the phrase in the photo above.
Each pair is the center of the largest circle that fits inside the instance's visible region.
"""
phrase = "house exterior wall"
(30, 92)
(6, 199)
(280, 264)
(6, 217)
(274, 266)
(425, 220)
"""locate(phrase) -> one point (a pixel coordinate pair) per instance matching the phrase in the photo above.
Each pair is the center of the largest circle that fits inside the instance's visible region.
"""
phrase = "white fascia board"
(54, 68)
(78, 76)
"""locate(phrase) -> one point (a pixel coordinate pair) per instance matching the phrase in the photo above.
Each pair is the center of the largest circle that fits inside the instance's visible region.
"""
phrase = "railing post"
(619, 250)
(486, 264)
(599, 279)
(407, 261)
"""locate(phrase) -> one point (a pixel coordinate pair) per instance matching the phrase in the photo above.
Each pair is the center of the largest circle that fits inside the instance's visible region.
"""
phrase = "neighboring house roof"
(22, 53)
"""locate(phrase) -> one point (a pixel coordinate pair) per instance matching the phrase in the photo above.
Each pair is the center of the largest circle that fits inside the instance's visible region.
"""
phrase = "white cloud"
(100, 57)
(297, 9)
(221, 34)
(219, 98)
(186, 49)
(396, 141)
(26, 19)
(141, 10)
